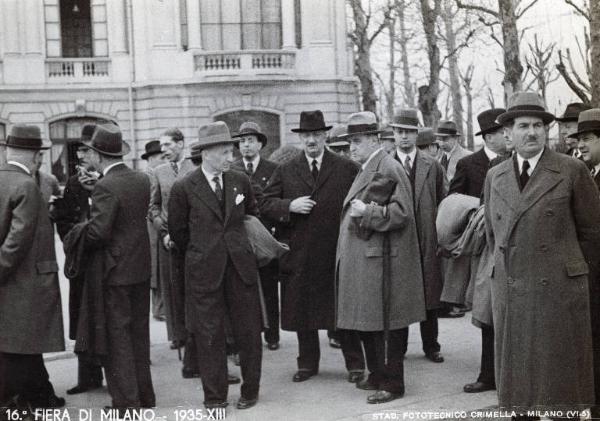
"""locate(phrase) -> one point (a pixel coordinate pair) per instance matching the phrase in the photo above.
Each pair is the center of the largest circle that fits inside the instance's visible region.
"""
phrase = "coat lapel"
(327, 167)
(507, 186)
(302, 169)
(205, 193)
(364, 177)
(231, 191)
(423, 167)
(545, 177)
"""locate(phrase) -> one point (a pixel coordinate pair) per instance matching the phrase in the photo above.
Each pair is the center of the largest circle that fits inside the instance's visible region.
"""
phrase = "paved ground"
(328, 396)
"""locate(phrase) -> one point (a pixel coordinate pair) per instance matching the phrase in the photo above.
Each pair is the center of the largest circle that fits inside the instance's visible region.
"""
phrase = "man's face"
(589, 146)
(82, 156)
(362, 146)
(343, 150)
(249, 146)
(405, 139)
(565, 129)
(528, 135)
(218, 158)
(155, 160)
(507, 139)
(91, 159)
(496, 141)
(388, 145)
(313, 143)
(171, 150)
(446, 143)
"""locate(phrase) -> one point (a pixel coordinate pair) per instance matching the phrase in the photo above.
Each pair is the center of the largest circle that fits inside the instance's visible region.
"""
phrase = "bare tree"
(538, 65)
(467, 81)
(403, 39)
(428, 94)
(448, 16)
(595, 51)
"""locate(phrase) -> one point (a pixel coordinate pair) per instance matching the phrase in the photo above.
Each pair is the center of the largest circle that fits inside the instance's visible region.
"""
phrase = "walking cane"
(171, 295)
(385, 292)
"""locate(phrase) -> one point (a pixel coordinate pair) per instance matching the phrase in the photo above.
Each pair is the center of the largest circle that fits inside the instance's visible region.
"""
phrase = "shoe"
(82, 388)
(273, 346)
(435, 356)
(303, 375)
(244, 403)
(452, 314)
(177, 344)
(186, 373)
(334, 343)
(364, 384)
(55, 401)
(355, 376)
(478, 387)
(382, 396)
(231, 379)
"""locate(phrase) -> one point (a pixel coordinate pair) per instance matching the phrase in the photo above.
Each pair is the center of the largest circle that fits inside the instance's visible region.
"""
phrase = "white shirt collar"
(490, 153)
(402, 155)
(254, 161)
(597, 169)
(318, 158)
(533, 161)
(210, 175)
(364, 165)
(18, 164)
(111, 166)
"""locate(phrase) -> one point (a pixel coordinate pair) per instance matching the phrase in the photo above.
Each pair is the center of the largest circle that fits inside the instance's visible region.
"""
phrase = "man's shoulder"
(163, 170)
(268, 165)
(343, 162)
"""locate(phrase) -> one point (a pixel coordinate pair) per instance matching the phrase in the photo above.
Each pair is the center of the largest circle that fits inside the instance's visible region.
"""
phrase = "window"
(241, 24)
(2, 139)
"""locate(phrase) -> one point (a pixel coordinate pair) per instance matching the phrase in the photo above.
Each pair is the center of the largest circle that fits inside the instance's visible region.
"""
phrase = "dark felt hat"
(23, 136)
(251, 128)
(361, 123)
(152, 148)
(406, 118)
(487, 121)
(572, 112)
(108, 140)
(589, 121)
(446, 128)
(335, 138)
(522, 104)
(425, 137)
(311, 121)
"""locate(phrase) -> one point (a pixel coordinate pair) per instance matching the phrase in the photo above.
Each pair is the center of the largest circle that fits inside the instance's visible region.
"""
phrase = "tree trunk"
(455, 90)
(391, 94)
(595, 51)
(428, 94)
(409, 93)
(513, 69)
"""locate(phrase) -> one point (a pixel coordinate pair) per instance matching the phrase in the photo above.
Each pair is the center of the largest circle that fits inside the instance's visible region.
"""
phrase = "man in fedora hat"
(117, 231)
(448, 139)
(426, 177)
(304, 197)
(338, 144)
(388, 141)
(153, 154)
(427, 144)
(380, 288)
(542, 214)
(567, 125)
(206, 221)
(30, 305)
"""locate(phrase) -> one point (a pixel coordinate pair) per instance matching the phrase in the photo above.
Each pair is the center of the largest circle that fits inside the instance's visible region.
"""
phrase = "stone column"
(117, 22)
(31, 13)
(288, 24)
(10, 9)
(193, 21)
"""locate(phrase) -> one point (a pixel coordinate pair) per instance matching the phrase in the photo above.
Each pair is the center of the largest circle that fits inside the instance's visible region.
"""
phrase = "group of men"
(357, 208)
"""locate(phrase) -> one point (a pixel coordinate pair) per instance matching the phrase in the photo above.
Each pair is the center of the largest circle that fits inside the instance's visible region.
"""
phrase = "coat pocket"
(49, 266)
(577, 268)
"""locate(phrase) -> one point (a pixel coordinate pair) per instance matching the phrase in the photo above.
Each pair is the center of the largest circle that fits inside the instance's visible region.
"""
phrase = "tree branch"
(579, 10)
(474, 7)
(525, 9)
(574, 87)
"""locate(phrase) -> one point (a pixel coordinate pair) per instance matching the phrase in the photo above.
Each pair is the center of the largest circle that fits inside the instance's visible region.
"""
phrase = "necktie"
(524, 177)
(445, 161)
(315, 169)
(175, 168)
(250, 168)
(218, 189)
(407, 166)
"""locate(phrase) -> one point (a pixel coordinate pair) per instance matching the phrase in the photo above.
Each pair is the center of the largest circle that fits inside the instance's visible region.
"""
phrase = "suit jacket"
(211, 237)
(456, 155)
(308, 270)
(118, 224)
(359, 261)
(540, 238)
(75, 207)
(470, 174)
(48, 185)
(30, 304)
(164, 178)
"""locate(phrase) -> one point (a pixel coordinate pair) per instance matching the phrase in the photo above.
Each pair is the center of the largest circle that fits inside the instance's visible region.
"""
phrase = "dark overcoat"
(30, 305)
(540, 299)
(308, 270)
(470, 174)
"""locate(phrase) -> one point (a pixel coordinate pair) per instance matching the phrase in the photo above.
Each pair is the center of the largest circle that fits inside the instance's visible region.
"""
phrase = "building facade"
(148, 65)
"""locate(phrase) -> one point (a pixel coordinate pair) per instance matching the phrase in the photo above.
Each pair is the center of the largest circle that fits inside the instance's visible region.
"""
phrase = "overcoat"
(540, 300)
(456, 155)
(427, 178)
(30, 305)
(469, 174)
(360, 261)
(308, 270)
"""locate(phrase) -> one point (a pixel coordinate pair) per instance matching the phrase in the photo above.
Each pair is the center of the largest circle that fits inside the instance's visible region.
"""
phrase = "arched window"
(241, 24)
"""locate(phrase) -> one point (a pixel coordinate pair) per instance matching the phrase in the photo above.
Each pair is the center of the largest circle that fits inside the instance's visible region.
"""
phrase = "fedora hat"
(195, 151)
(387, 135)
(406, 118)
(23, 136)
(311, 121)
(425, 137)
(251, 128)
(335, 134)
(363, 122)
(572, 112)
(108, 140)
(86, 134)
(446, 128)
(487, 121)
(213, 134)
(152, 148)
(525, 104)
(589, 121)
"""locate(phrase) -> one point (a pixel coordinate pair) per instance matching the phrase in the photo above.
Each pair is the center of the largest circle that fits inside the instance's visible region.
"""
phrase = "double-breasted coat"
(30, 304)
(308, 270)
(540, 300)
(360, 261)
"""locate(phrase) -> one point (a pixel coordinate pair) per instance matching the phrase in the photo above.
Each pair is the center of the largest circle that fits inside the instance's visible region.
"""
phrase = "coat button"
(498, 216)
(549, 212)
(544, 281)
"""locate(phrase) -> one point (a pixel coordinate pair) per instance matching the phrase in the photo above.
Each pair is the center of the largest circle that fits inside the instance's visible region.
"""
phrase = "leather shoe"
(435, 356)
(186, 373)
(478, 387)
(231, 379)
(452, 314)
(244, 403)
(82, 388)
(334, 343)
(55, 401)
(355, 376)
(303, 375)
(273, 346)
(364, 384)
(177, 344)
(383, 396)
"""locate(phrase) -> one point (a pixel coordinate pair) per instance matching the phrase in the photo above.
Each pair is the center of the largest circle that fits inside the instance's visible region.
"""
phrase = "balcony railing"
(260, 61)
(61, 70)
